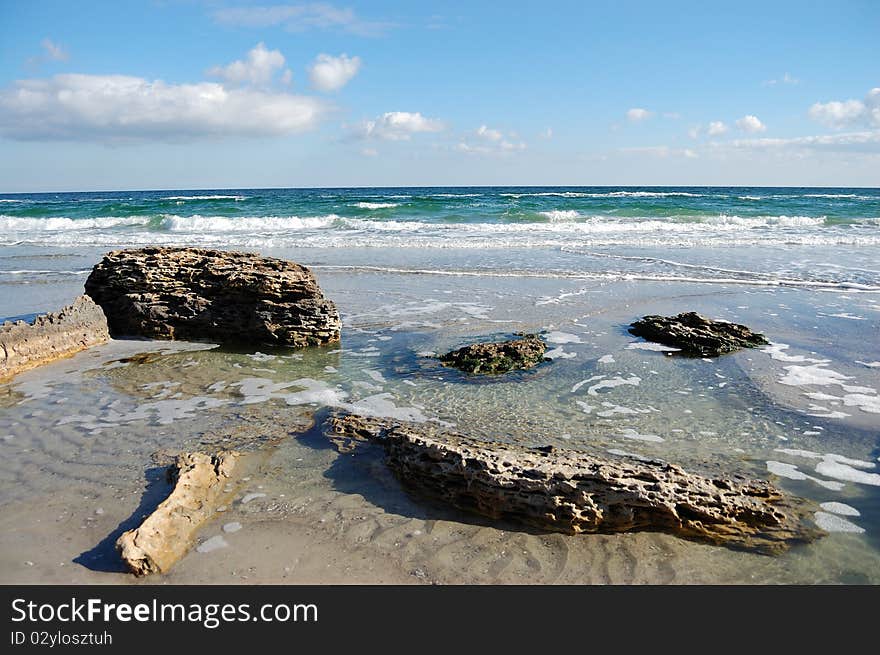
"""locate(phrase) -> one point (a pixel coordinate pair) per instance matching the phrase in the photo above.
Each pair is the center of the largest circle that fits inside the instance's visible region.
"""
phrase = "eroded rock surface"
(573, 492)
(51, 336)
(697, 335)
(498, 356)
(167, 534)
(198, 294)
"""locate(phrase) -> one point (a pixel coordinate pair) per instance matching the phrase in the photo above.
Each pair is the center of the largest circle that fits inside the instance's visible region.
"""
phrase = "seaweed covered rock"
(497, 357)
(697, 335)
(198, 294)
(51, 336)
(573, 492)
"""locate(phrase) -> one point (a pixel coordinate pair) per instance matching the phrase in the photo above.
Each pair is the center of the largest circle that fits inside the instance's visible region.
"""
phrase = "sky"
(187, 94)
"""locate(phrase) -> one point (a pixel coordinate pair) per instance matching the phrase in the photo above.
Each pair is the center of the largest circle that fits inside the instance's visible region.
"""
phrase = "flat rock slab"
(216, 295)
(573, 492)
(51, 336)
(697, 335)
(493, 358)
(168, 533)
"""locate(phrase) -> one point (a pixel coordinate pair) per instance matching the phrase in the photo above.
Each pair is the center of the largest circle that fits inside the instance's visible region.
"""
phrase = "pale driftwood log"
(51, 336)
(168, 533)
(573, 492)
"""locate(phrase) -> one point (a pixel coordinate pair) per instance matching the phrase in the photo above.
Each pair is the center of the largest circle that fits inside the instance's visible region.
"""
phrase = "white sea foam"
(561, 337)
(197, 223)
(208, 197)
(376, 205)
(647, 345)
(840, 508)
(560, 215)
(64, 223)
(834, 523)
(612, 383)
(629, 433)
(791, 472)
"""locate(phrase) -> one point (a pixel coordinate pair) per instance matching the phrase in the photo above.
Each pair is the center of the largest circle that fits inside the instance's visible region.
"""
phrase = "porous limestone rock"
(198, 294)
(697, 335)
(573, 492)
(51, 336)
(167, 534)
(497, 357)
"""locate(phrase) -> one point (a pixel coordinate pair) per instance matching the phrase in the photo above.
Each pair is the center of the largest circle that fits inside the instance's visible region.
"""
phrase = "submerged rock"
(167, 534)
(498, 356)
(51, 336)
(198, 294)
(697, 335)
(573, 492)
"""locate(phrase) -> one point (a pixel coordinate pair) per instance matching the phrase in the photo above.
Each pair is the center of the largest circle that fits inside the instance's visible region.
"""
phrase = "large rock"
(51, 336)
(498, 356)
(573, 492)
(168, 533)
(197, 294)
(696, 335)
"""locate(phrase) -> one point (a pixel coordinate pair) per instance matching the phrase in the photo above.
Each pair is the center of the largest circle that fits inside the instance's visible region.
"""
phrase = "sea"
(418, 271)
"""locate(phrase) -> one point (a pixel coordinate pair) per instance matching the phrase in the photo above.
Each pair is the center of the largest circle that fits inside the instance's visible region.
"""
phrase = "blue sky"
(219, 94)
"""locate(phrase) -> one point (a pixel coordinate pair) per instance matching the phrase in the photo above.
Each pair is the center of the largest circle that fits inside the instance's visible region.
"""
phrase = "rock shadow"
(103, 557)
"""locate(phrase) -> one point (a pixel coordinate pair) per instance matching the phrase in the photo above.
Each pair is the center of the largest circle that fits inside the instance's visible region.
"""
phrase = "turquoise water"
(420, 271)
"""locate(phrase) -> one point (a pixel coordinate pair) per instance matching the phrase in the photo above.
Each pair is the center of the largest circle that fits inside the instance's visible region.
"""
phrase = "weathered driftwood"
(193, 293)
(573, 492)
(490, 358)
(51, 336)
(167, 534)
(697, 335)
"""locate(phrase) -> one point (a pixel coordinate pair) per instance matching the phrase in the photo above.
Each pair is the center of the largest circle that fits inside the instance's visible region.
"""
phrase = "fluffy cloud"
(716, 128)
(396, 126)
(299, 18)
(120, 107)
(488, 141)
(258, 69)
(637, 114)
(849, 113)
(332, 73)
(751, 124)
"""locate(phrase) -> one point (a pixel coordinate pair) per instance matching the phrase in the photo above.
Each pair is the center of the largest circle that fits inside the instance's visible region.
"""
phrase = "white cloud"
(849, 113)
(54, 51)
(332, 73)
(396, 126)
(119, 107)
(751, 124)
(716, 128)
(785, 79)
(299, 18)
(637, 114)
(866, 141)
(51, 52)
(695, 131)
(548, 133)
(258, 69)
(661, 152)
(489, 134)
(369, 152)
(488, 141)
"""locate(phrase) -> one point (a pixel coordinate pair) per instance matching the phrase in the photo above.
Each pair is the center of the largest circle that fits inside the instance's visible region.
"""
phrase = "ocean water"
(416, 271)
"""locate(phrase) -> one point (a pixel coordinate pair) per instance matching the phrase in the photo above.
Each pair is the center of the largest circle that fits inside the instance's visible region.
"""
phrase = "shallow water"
(77, 436)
